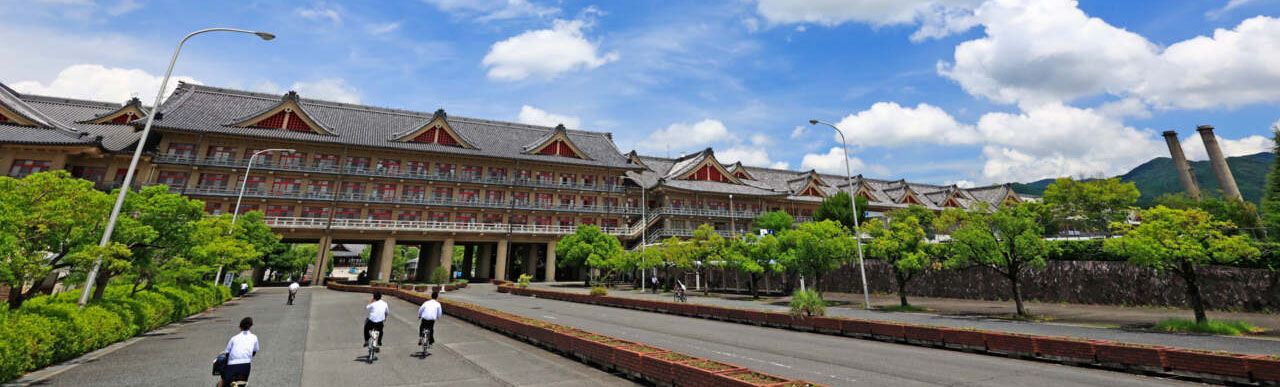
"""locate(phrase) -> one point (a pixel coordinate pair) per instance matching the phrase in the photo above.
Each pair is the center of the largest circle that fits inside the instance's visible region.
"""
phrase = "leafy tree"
(401, 257)
(591, 247)
(762, 255)
(1271, 194)
(707, 250)
(820, 247)
(1092, 204)
(1236, 211)
(1009, 240)
(44, 218)
(901, 244)
(778, 221)
(293, 260)
(923, 215)
(837, 208)
(169, 220)
(441, 276)
(218, 244)
(1178, 241)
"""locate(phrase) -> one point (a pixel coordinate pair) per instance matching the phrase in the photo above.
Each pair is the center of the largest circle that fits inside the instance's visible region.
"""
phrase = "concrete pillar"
(322, 260)
(484, 261)
(500, 268)
(468, 259)
(446, 257)
(433, 260)
(388, 256)
(374, 266)
(531, 260)
(1219, 163)
(551, 261)
(423, 273)
(1180, 164)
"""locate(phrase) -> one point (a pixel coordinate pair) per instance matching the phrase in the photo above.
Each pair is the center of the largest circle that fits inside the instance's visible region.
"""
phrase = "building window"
(610, 202)
(213, 208)
(347, 213)
(182, 150)
(588, 221)
(172, 179)
(609, 223)
(588, 181)
(119, 179)
(677, 203)
(566, 201)
(358, 164)
(286, 186)
(494, 197)
(546, 178)
(716, 206)
(379, 214)
(491, 218)
(292, 159)
(471, 172)
(521, 198)
(523, 175)
(497, 174)
(566, 222)
(388, 166)
(544, 200)
(279, 211)
(441, 193)
(413, 192)
(740, 207)
(315, 212)
(445, 170)
(518, 219)
(221, 153)
(415, 168)
(22, 168)
(213, 181)
(610, 181)
(409, 216)
(439, 216)
(384, 192)
(466, 217)
(568, 179)
(320, 187)
(468, 195)
(255, 183)
(588, 202)
(542, 220)
(326, 161)
(94, 174)
(263, 158)
(246, 208)
(352, 189)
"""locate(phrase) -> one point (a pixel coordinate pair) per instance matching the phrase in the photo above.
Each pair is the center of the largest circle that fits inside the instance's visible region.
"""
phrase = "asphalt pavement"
(833, 360)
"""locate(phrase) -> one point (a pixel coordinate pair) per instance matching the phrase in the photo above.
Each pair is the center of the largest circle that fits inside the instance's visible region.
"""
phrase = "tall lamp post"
(857, 235)
(244, 183)
(137, 154)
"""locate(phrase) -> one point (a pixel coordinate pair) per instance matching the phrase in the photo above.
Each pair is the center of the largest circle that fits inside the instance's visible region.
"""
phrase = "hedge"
(51, 329)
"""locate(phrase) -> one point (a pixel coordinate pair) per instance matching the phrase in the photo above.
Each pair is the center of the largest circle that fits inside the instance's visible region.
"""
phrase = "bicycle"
(678, 296)
(291, 296)
(373, 345)
(425, 341)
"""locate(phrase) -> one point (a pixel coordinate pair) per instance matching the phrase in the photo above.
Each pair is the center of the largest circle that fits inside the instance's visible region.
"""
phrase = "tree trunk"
(902, 289)
(755, 289)
(100, 286)
(15, 296)
(1193, 291)
(1017, 293)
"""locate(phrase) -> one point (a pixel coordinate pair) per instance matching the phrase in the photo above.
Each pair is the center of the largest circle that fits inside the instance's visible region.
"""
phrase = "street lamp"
(137, 153)
(235, 213)
(857, 235)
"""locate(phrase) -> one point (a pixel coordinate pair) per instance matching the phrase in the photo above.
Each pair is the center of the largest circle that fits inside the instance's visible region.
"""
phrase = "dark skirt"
(235, 373)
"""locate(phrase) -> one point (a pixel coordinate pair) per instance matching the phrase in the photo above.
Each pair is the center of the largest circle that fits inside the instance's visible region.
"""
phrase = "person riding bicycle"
(240, 352)
(293, 291)
(377, 316)
(429, 312)
(680, 291)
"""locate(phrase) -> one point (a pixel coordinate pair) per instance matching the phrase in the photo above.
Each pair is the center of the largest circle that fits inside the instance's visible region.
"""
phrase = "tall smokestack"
(1180, 163)
(1219, 163)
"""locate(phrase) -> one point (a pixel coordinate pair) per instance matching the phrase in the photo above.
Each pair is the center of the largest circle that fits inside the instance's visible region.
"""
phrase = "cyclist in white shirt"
(293, 291)
(377, 316)
(240, 351)
(429, 312)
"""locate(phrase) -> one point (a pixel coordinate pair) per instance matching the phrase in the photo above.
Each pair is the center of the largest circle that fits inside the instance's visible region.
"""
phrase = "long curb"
(1143, 359)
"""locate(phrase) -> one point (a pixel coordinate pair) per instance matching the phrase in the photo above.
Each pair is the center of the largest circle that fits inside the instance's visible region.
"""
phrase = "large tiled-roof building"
(361, 174)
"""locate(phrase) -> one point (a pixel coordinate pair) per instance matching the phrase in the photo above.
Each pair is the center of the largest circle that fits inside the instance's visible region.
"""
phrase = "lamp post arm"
(857, 235)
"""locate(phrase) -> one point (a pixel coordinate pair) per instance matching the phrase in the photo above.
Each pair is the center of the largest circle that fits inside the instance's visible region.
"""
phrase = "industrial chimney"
(1180, 164)
(1219, 163)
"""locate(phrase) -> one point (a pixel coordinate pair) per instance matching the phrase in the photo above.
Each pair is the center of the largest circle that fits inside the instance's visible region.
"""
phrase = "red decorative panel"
(446, 139)
(274, 122)
(741, 175)
(3, 118)
(296, 123)
(428, 136)
(952, 203)
(811, 191)
(911, 200)
(564, 149)
(550, 149)
(709, 173)
(124, 118)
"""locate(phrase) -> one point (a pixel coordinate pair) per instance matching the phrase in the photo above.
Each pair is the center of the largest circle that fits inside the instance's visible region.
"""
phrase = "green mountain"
(1157, 177)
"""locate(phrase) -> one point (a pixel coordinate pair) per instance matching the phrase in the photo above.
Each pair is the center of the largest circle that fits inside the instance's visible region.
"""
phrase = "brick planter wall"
(1066, 350)
(1117, 355)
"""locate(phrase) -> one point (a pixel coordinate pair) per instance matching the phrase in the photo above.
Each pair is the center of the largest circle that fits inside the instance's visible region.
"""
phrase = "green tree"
(1238, 212)
(1271, 195)
(707, 250)
(1092, 204)
(214, 246)
(401, 257)
(761, 256)
(924, 216)
(293, 260)
(169, 221)
(820, 247)
(778, 221)
(901, 244)
(837, 208)
(590, 247)
(1009, 240)
(1178, 241)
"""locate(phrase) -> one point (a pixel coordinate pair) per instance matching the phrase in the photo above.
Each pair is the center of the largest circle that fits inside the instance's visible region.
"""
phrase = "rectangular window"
(279, 211)
(494, 197)
(609, 223)
(566, 201)
(445, 170)
(439, 216)
(172, 179)
(292, 159)
(182, 150)
(588, 202)
(384, 192)
(442, 193)
(221, 153)
(466, 217)
(246, 208)
(497, 174)
(542, 220)
(546, 178)
(347, 213)
(740, 207)
(566, 222)
(568, 179)
(22, 168)
(358, 164)
(518, 219)
(544, 200)
(716, 206)
(409, 216)
(263, 158)
(379, 214)
(523, 175)
(119, 179)
(610, 202)
(213, 208)
(326, 161)
(352, 189)
(521, 198)
(413, 192)
(320, 187)
(418, 168)
(286, 186)
(588, 181)
(471, 172)
(610, 182)
(677, 203)
(94, 174)
(588, 221)
(315, 212)
(254, 184)
(389, 166)
(491, 218)
(468, 195)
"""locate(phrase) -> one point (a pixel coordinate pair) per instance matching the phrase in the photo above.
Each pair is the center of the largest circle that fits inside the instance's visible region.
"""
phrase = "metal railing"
(427, 225)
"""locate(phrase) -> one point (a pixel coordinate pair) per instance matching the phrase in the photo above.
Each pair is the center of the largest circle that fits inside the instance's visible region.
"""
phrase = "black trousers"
(377, 326)
(428, 324)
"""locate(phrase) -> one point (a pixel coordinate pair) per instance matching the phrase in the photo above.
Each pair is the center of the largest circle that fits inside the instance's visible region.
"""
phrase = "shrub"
(439, 275)
(524, 280)
(599, 291)
(235, 286)
(807, 303)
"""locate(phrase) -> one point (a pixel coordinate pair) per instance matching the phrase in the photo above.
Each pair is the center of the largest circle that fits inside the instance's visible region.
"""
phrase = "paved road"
(834, 360)
(316, 342)
(1250, 345)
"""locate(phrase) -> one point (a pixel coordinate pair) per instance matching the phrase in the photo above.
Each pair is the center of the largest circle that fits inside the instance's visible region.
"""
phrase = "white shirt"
(293, 287)
(429, 310)
(241, 347)
(244, 286)
(377, 311)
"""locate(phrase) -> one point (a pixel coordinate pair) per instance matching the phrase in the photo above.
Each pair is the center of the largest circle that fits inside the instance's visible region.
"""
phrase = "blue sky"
(954, 91)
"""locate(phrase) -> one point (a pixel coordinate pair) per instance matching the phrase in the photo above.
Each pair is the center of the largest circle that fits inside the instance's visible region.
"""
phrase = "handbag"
(220, 363)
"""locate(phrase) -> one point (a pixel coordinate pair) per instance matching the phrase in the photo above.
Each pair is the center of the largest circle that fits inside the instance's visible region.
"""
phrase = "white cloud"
(1056, 140)
(320, 12)
(748, 155)
(761, 140)
(780, 165)
(833, 163)
(1233, 4)
(329, 89)
(1193, 146)
(96, 82)
(799, 131)
(889, 124)
(382, 29)
(1128, 107)
(1233, 68)
(545, 53)
(962, 183)
(489, 10)
(688, 136)
(123, 7)
(534, 116)
(936, 17)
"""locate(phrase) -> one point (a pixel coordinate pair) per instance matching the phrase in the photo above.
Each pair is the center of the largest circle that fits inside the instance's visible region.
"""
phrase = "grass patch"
(900, 308)
(1217, 327)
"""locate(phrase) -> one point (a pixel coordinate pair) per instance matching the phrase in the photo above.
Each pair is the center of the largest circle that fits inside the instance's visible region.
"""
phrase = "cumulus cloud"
(490, 10)
(749, 155)
(1233, 4)
(962, 183)
(96, 82)
(799, 131)
(1056, 140)
(890, 124)
(832, 162)
(534, 116)
(936, 17)
(1234, 67)
(382, 29)
(1193, 146)
(687, 136)
(329, 89)
(545, 53)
